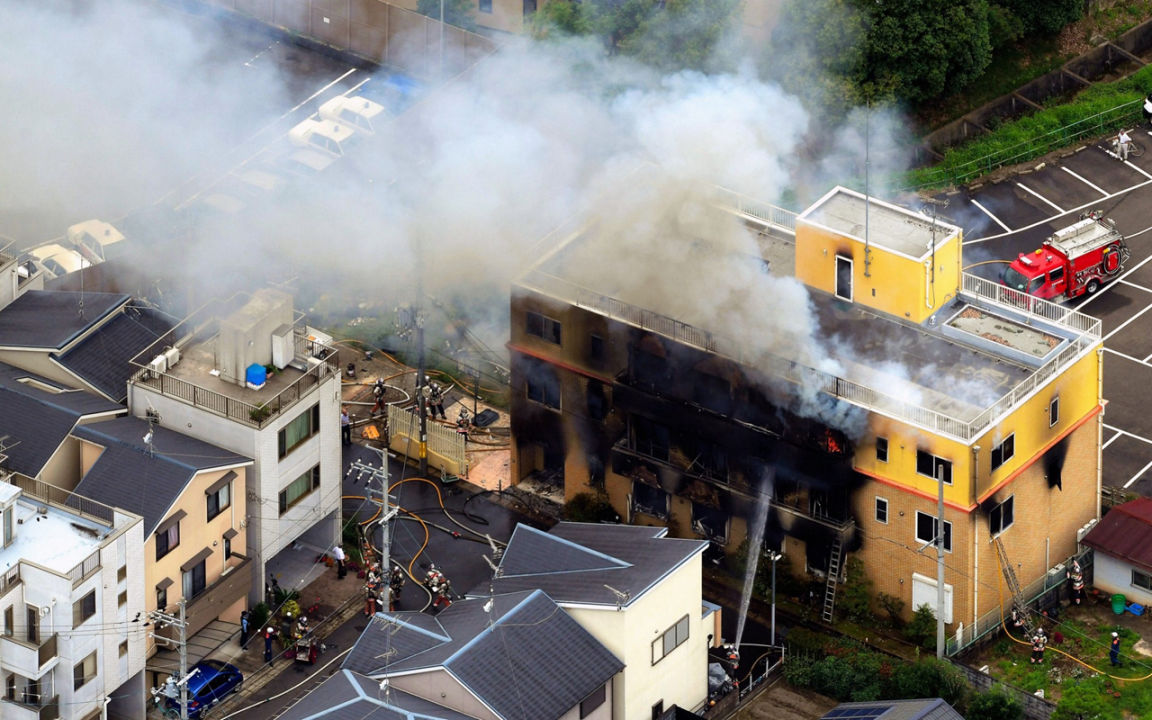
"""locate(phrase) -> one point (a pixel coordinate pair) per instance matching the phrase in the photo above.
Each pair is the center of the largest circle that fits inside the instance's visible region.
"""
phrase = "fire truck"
(1073, 261)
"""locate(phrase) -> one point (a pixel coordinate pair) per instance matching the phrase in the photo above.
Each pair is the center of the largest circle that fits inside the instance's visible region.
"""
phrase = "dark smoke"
(1054, 463)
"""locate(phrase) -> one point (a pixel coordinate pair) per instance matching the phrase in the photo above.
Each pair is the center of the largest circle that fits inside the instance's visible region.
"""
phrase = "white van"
(356, 112)
(55, 260)
(322, 142)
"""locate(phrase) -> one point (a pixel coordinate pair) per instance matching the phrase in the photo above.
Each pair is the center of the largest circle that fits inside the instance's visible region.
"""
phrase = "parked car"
(55, 260)
(209, 682)
(357, 112)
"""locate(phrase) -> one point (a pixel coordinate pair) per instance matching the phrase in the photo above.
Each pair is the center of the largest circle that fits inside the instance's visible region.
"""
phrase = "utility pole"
(380, 499)
(421, 397)
(179, 622)
(774, 556)
(441, 68)
(940, 562)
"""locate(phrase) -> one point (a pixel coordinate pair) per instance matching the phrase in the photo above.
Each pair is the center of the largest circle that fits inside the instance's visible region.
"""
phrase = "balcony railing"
(777, 217)
(42, 710)
(9, 580)
(202, 326)
(84, 568)
(27, 658)
(67, 501)
(1086, 332)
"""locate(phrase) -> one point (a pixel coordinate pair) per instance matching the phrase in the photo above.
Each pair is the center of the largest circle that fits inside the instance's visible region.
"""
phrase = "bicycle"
(1135, 149)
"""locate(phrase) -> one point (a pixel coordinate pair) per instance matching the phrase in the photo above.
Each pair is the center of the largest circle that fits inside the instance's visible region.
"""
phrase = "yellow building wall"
(904, 441)
(895, 284)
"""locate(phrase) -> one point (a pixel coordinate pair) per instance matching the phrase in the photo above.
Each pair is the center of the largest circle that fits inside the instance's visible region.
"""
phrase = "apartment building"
(929, 376)
(72, 603)
(244, 374)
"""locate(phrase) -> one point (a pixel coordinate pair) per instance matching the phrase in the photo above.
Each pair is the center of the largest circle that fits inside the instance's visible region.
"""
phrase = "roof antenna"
(148, 436)
(621, 597)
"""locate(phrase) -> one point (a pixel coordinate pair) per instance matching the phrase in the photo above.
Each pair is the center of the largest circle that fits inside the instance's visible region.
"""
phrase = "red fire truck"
(1073, 261)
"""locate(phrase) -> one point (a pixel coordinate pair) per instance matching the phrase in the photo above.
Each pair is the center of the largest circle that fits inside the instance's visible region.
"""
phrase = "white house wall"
(681, 678)
(1114, 576)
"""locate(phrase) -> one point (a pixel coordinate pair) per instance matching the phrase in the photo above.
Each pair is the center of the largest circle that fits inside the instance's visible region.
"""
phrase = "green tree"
(666, 34)
(930, 677)
(1044, 16)
(996, 704)
(921, 629)
(856, 597)
(876, 50)
(586, 507)
(1083, 700)
(461, 13)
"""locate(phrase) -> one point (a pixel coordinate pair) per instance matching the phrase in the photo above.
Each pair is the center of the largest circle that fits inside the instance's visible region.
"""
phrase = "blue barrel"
(256, 374)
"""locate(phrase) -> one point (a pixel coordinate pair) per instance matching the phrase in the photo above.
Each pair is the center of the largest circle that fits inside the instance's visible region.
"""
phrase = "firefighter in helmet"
(1076, 582)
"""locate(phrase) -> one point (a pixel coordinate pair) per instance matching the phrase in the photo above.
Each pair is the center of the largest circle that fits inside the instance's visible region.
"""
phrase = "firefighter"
(268, 635)
(434, 400)
(439, 586)
(1076, 578)
(378, 392)
(1147, 109)
(1038, 643)
(395, 585)
(1017, 619)
(464, 422)
(302, 628)
(371, 590)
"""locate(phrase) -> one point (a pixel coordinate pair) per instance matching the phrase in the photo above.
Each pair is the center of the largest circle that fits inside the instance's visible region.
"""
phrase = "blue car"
(210, 681)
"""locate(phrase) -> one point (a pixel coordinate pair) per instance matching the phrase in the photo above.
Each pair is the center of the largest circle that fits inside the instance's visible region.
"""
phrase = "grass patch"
(1097, 110)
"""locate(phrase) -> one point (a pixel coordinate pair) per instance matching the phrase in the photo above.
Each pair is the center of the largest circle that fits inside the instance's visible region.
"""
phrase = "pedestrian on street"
(244, 621)
(268, 644)
(1114, 650)
(338, 556)
(345, 427)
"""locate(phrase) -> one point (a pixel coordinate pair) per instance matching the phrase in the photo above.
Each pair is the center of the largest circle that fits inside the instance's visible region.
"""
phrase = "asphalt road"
(1015, 215)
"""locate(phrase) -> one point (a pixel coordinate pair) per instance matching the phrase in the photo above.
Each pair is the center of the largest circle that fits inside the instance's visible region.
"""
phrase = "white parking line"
(317, 93)
(1027, 189)
(1124, 324)
(1129, 164)
(1137, 475)
(1132, 284)
(1111, 439)
(994, 218)
(1125, 432)
(1138, 361)
(1085, 180)
(356, 87)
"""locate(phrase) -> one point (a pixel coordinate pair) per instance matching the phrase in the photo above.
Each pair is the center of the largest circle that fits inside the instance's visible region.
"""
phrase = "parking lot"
(1014, 215)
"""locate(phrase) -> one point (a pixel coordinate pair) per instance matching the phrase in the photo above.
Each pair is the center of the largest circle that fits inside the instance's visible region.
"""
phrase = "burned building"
(908, 374)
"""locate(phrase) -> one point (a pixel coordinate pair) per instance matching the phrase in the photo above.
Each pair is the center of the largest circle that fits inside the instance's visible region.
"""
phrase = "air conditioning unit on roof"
(159, 364)
(172, 356)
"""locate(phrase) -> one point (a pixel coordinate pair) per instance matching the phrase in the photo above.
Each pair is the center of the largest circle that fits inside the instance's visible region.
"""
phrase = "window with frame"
(227, 548)
(299, 489)
(124, 649)
(882, 449)
(84, 671)
(122, 574)
(930, 465)
(1001, 517)
(926, 530)
(485, 6)
(83, 608)
(122, 599)
(167, 540)
(1054, 411)
(542, 326)
(195, 580)
(301, 428)
(594, 700)
(9, 530)
(1003, 452)
(219, 501)
(161, 598)
(541, 384)
(595, 349)
(596, 401)
(881, 510)
(1141, 580)
(671, 639)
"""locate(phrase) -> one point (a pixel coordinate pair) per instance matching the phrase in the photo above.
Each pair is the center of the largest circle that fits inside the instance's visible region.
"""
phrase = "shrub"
(893, 607)
(802, 641)
(928, 678)
(996, 704)
(258, 618)
(855, 598)
(586, 507)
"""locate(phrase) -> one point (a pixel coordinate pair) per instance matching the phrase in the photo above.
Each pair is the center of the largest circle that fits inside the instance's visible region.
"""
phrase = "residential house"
(72, 604)
(243, 373)
(635, 590)
(920, 377)
(16, 277)
(507, 656)
(1122, 561)
(39, 415)
(78, 339)
(929, 709)
(191, 497)
(351, 695)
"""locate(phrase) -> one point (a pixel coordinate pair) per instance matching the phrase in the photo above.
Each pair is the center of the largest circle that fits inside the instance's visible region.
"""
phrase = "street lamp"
(774, 556)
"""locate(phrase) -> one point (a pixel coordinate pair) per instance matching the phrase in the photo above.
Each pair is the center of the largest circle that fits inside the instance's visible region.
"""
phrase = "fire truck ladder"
(1018, 603)
(833, 576)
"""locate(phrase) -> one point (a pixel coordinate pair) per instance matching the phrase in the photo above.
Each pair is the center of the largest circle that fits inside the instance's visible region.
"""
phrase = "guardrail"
(1087, 329)
(9, 580)
(66, 500)
(767, 213)
(84, 568)
(1021, 302)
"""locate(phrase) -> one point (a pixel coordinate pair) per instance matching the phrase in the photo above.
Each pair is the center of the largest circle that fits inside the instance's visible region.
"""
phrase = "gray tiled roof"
(37, 421)
(526, 658)
(128, 476)
(926, 709)
(351, 696)
(628, 558)
(102, 358)
(50, 319)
